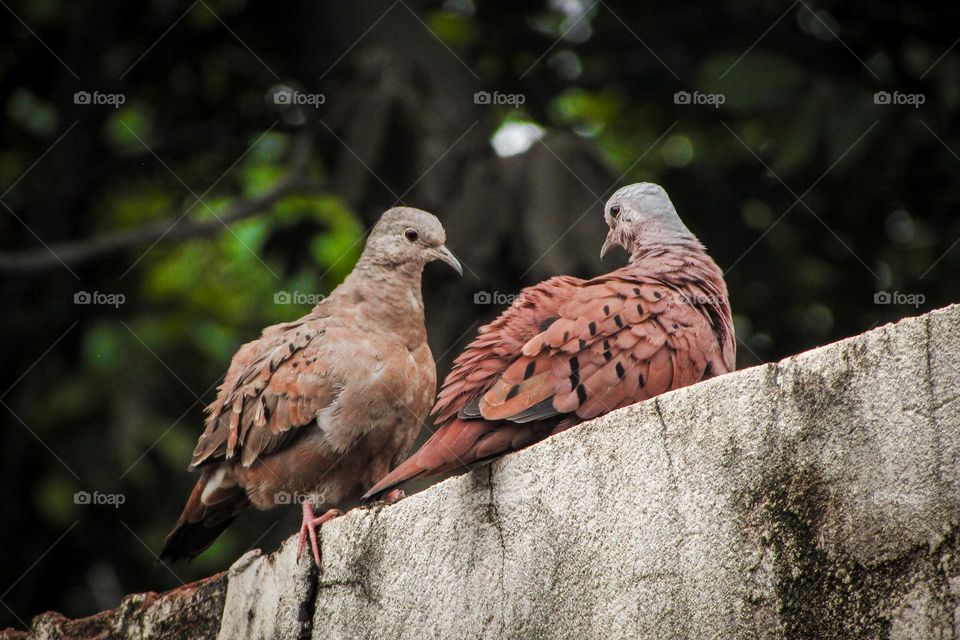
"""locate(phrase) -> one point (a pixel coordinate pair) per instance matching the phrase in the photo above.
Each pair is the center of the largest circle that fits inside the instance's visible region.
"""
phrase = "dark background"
(811, 195)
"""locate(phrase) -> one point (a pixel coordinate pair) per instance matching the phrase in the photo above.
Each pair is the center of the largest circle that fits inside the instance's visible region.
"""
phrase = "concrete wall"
(815, 497)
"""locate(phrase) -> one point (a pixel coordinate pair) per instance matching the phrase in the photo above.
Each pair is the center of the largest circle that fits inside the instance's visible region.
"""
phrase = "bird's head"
(407, 236)
(641, 215)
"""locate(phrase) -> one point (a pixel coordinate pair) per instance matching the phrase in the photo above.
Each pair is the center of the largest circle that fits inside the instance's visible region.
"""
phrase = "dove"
(568, 350)
(317, 409)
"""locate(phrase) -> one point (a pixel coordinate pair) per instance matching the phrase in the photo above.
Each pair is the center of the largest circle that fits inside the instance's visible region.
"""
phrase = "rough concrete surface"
(815, 497)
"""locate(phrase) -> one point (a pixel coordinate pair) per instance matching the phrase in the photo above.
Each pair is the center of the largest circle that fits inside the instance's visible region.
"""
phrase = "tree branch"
(82, 251)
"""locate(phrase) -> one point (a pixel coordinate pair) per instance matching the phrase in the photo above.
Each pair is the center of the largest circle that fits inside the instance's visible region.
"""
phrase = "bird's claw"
(394, 495)
(309, 528)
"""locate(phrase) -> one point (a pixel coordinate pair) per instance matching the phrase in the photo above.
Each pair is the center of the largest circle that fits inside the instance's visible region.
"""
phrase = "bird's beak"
(445, 255)
(608, 244)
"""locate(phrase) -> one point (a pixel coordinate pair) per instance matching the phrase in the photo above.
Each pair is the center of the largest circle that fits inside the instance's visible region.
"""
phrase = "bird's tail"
(456, 445)
(202, 521)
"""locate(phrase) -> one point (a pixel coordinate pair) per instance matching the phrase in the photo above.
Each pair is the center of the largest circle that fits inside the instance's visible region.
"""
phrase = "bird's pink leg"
(394, 495)
(309, 527)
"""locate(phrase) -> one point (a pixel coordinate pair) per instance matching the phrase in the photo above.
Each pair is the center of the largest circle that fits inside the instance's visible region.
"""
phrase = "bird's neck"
(389, 294)
(686, 267)
(656, 242)
(676, 254)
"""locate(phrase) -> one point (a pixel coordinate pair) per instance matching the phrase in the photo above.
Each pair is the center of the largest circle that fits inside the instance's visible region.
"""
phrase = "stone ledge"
(815, 497)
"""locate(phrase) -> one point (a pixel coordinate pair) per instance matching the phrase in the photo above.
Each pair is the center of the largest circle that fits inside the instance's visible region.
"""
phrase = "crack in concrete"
(308, 606)
(361, 568)
(931, 411)
(666, 449)
(675, 486)
(493, 516)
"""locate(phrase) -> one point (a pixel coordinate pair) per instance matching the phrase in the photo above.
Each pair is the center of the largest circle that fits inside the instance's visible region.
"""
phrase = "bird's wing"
(498, 344)
(275, 385)
(616, 342)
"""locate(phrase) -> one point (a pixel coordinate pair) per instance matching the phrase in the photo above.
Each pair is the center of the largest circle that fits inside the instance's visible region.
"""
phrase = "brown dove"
(317, 409)
(568, 350)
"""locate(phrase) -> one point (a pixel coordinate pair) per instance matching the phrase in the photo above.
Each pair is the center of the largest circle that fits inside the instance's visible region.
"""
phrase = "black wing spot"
(636, 291)
(566, 336)
(606, 309)
(581, 394)
(606, 351)
(514, 390)
(619, 322)
(528, 372)
(593, 328)
(639, 308)
(574, 372)
(656, 294)
(583, 344)
(546, 322)
(620, 371)
(641, 380)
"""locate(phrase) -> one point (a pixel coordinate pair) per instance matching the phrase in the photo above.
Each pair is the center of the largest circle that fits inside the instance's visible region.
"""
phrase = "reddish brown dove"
(317, 409)
(568, 350)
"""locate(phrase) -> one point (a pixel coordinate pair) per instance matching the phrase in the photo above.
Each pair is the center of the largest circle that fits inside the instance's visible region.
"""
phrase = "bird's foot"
(309, 528)
(394, 495)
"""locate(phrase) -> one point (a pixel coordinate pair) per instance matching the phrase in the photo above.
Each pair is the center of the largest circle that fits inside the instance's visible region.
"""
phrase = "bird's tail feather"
(200, 524)
(458, 444)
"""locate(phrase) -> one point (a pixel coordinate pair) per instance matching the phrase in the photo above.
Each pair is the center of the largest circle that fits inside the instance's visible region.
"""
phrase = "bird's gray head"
(405, 236)
(642, 215)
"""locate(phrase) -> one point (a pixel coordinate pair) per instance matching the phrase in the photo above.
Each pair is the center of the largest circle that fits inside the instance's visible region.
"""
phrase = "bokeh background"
(196, 171)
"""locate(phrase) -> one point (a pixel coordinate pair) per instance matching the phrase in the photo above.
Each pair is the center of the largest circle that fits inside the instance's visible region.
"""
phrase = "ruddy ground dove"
(317, 409)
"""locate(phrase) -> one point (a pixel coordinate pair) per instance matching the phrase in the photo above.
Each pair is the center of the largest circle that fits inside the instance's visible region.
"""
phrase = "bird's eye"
(411, 235)
(615, 211)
